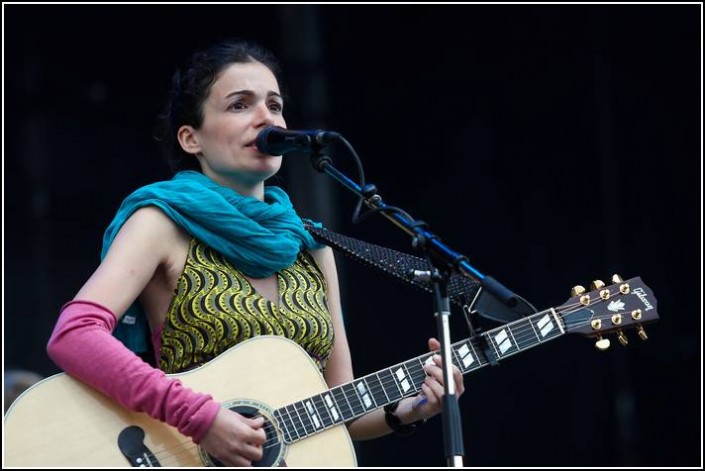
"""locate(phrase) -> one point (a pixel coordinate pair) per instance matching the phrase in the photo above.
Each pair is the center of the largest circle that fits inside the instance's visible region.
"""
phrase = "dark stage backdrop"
(551, 145)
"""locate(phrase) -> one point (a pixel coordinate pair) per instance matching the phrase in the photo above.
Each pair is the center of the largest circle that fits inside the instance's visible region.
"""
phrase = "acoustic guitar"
(61, 421)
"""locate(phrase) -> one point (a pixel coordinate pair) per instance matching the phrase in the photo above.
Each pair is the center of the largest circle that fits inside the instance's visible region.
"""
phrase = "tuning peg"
(602, 344)
(622, 338)
(616, 279)
(577, 290)
(642, 333)
(597, 284)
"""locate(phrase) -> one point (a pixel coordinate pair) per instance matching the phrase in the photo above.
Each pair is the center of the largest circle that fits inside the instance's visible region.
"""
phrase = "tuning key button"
(622, 338)
(597, 284)
(642, 333)
(577, 290)
(616, 279)
(602, 344)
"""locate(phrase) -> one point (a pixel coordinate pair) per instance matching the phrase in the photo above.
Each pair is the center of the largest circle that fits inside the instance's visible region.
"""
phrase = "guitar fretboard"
(351, 400)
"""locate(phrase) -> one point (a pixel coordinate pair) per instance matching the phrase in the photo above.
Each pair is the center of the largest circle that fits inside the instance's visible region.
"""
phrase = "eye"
(276, 107)
(237, 105)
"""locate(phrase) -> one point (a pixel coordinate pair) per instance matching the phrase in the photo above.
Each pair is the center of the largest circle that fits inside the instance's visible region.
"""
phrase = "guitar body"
(61, 422)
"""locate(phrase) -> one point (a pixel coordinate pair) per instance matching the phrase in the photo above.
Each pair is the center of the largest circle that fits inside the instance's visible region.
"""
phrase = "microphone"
(275, 140)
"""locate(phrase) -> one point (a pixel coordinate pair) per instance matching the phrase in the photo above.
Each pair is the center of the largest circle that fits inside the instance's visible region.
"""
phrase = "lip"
(253, 148)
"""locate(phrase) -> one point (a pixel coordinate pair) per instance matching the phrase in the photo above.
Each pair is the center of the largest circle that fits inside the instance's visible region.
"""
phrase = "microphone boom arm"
(449, 259)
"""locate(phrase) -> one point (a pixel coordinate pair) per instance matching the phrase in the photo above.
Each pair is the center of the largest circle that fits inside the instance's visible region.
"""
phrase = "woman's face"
(243, 100)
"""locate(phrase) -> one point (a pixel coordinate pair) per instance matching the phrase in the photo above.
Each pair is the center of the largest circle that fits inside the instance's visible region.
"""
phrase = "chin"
(271, 166)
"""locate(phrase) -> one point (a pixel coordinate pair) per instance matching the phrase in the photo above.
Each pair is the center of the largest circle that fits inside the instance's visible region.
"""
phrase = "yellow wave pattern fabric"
(215, 307)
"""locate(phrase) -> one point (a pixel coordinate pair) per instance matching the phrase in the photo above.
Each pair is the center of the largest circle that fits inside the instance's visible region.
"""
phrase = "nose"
(264, 116)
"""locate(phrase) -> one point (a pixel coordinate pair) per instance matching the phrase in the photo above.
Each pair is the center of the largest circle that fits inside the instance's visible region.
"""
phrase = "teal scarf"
(258, 237)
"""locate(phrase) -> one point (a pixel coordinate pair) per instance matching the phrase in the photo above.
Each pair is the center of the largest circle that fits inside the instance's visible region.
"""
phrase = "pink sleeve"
(82, 344)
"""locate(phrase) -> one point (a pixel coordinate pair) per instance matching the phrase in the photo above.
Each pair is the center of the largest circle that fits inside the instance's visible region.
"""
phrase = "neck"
(254, 189)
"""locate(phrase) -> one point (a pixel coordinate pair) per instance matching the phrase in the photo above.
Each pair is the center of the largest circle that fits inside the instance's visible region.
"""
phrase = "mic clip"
(423, 276)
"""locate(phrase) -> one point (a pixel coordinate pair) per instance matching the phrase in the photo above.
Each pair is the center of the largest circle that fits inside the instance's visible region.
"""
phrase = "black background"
(550, 144)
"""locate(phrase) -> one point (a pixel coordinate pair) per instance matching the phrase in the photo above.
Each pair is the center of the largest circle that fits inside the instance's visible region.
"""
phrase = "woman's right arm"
(82, 344)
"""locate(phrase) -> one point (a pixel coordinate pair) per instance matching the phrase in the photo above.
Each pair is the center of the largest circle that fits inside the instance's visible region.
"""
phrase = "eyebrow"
(251, 93)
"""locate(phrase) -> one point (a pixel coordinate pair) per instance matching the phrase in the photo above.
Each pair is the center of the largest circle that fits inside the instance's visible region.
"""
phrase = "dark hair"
(190, 86)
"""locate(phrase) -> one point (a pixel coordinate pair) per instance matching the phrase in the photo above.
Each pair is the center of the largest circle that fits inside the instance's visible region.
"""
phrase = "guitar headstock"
(606, 309)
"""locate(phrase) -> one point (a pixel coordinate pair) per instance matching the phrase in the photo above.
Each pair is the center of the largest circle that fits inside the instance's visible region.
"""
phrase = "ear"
(188, 138)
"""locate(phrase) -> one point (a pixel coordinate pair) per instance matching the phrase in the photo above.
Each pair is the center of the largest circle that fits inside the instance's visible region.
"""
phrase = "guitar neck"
(351, 400)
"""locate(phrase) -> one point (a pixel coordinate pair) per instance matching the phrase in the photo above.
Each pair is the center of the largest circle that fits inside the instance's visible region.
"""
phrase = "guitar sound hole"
(272, 445)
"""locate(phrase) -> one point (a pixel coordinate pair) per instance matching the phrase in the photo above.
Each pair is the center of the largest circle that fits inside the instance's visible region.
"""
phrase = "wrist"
(394, 420)
(407, 412)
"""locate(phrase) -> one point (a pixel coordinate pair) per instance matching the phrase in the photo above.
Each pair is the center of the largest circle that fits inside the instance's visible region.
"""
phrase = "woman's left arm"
(339, 370)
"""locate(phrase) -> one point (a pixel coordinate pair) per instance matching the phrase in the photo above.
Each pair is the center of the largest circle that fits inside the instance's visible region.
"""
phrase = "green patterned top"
(216, 307)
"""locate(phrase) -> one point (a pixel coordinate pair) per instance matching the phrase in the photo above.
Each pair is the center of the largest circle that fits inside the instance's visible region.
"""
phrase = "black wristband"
(395, 424)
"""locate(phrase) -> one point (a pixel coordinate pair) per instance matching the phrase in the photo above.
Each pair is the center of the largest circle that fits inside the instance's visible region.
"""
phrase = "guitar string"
(522, 333)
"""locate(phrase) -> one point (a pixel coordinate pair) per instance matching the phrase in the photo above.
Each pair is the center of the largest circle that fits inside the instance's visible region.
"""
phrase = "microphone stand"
(444, 261)
(452, 427)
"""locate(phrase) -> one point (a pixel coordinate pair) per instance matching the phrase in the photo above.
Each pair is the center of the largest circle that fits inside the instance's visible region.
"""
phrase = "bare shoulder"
(147, 241)
(149, 228)
(325, 259)
(151, 220)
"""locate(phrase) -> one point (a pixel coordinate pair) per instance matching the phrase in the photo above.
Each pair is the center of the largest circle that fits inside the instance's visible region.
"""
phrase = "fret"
(332, 405)
(354, 399)
(363, 390)
(392, 383)
(528, 335)
(492, 352)
(310, 409)
(546, 326)
(409, 380)
(533, 328)
(521, 335)
(502, 339)
(287, 427)
(559, 322)
(376, 390)
(479, 354)
(418, 373)
(456, 358)
(466, 355)
(498, 342)
(324, 413)
(282, 425)
(306, 427)
(306, 422)
(344, 407)
(510, 330)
